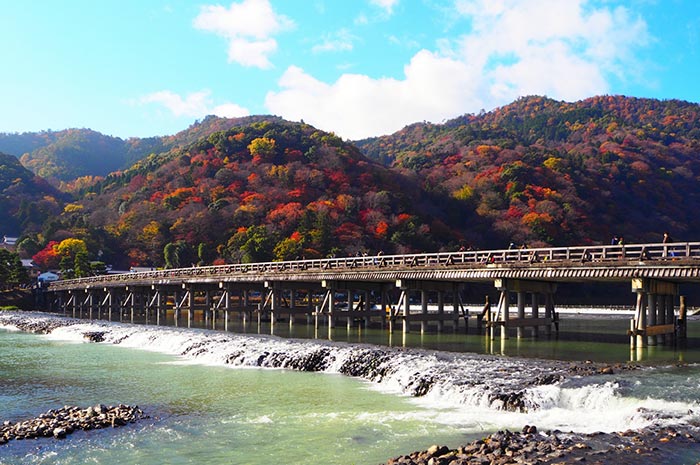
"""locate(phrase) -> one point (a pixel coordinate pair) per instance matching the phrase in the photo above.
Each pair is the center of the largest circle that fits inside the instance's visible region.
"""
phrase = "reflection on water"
(601, 338)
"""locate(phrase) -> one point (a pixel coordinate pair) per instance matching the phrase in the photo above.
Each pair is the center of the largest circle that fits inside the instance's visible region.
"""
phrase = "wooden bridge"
(389, 289)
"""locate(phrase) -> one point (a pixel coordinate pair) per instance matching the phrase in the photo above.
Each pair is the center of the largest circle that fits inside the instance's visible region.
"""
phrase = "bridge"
(411, 289)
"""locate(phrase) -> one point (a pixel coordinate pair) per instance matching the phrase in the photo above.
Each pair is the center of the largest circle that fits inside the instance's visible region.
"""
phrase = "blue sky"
(358, 68)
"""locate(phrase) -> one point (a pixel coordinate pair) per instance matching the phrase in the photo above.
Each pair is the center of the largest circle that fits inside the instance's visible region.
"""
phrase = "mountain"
(259, 191)
(535, 172)
(26, 201)
(543, 171)
(64, 156)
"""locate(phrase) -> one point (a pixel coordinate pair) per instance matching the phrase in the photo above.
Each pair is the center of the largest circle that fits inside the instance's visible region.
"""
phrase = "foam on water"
(466, 390)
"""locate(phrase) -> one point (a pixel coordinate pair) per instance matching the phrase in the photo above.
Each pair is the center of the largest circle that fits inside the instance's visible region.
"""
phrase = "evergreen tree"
(81, 266)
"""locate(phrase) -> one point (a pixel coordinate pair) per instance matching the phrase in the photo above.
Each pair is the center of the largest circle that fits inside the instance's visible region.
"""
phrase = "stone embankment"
(555, 448)
(61, 422)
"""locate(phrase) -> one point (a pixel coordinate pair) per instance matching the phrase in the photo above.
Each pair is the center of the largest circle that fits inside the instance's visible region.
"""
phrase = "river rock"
(59, 423)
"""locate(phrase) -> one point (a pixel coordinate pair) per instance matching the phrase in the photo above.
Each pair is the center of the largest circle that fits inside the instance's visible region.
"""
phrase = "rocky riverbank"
(655, 446)
(61, 422)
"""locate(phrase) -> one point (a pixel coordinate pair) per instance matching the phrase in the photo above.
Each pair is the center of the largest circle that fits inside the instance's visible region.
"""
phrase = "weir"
(414, 292)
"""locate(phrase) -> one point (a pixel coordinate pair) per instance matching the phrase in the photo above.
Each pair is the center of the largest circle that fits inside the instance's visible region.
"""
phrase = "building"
(8, 242)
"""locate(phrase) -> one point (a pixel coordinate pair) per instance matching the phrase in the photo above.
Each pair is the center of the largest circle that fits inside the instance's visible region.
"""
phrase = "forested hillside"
(543, 171)
(262, 191)
(72, 158)
(26, 201)
(535, 172)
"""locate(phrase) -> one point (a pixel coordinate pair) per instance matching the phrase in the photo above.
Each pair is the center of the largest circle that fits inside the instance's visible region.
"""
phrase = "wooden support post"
(90, 300)
(177, 308)
(406, 312)
(505, 313)
(661, 317)
(492, 320)
(682, 320)
(535, 313)
(75, 305)
(521, 313)
(549, 312)
(190, 306)
(651, 316)
(274, 304)
(351, 310)
(423, 310)
(332, 314)
(367, 309)
(641, 319)
(670, 317)
(227, 306)
(310, 307)
(455, 308)
(207, 307)
(161, 304)
(110, 302)
(441, 310)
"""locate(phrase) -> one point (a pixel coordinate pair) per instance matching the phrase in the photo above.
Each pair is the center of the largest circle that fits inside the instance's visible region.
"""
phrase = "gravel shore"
(657, 446)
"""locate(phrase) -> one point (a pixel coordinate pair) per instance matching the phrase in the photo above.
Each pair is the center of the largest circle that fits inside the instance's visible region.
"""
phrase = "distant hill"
(544, 171)
(63, 156)
(26, 201)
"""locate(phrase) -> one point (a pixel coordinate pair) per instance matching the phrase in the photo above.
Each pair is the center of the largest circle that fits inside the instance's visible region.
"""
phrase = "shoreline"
(555, 447)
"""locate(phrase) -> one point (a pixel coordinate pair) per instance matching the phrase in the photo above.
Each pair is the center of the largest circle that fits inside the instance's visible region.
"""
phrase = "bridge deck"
(677, 262)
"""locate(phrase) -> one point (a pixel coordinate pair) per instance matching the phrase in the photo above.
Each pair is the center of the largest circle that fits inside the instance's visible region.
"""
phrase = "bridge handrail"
(485, 258)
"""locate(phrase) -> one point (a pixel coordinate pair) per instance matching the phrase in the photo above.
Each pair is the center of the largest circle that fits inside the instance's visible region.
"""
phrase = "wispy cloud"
(386, 5)
(248, 27)
(340, 41)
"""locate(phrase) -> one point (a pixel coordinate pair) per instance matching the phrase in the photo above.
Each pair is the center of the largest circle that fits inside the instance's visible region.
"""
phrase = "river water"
(217, 397)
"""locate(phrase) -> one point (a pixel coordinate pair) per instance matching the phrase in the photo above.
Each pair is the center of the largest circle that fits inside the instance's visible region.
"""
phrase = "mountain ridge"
(536, 172)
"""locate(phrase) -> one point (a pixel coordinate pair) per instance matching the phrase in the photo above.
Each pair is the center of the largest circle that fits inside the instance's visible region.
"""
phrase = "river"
(356, 397)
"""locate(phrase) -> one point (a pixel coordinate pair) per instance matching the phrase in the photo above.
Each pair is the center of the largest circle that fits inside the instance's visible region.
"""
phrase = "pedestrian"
(614, 240)
(667, 238)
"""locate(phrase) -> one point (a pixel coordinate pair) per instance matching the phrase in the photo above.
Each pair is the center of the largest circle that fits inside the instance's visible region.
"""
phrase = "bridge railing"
(611, 255)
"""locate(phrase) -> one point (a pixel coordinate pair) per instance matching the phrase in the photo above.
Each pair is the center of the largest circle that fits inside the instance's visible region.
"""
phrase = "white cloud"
(229, 110)
(248, 26)
(340, 41)
(565, 50)
(386, 5)
(357, 106)
(196, 104)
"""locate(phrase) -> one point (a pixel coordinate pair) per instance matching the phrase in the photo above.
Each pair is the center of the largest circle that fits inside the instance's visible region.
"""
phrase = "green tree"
(98, 268)
(66, 266)
(287, 249)
(204, 253)
(172, 255)
(254, 243)
(81, 267)
(262, 149)
(12, 273)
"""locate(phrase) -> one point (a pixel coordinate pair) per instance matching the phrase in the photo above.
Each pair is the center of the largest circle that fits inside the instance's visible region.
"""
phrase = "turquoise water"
(202, 414)
(206, 408)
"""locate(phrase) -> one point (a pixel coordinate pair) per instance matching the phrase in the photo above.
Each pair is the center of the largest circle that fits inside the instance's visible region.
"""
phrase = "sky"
(358, 68)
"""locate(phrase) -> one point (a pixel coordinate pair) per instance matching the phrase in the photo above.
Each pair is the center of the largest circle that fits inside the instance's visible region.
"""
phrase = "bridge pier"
(522, 288)
(425, 317)
(654, 321)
